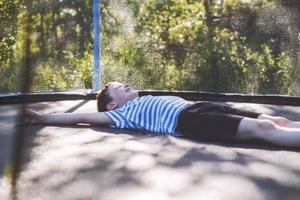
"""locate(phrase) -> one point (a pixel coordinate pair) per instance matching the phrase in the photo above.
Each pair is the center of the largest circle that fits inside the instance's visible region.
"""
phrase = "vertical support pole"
(97, 45)
(26, 78)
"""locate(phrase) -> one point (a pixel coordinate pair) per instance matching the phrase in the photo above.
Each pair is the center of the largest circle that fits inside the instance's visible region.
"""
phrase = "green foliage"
(9, 10)
(6, 45)
(54, 75)
(274, 74)
(8, 15)
(222, 46)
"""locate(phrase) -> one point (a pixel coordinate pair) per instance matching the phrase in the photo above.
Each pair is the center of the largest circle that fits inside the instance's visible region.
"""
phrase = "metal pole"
(97, 46)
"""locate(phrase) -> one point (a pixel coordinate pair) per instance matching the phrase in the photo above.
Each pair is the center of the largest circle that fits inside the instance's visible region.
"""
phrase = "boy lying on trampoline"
(120, 106)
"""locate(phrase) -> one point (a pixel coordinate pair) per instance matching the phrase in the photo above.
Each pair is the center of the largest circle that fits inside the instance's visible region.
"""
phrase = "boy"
(119, 106)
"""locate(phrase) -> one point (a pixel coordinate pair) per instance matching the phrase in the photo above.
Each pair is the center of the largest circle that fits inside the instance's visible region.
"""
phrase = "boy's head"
(114, 95)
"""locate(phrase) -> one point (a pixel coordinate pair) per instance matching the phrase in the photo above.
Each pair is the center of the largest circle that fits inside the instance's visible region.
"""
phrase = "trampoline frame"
(21, 98)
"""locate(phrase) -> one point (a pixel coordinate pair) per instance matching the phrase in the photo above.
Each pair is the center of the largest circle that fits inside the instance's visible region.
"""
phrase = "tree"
(209, 45)
(9, 10)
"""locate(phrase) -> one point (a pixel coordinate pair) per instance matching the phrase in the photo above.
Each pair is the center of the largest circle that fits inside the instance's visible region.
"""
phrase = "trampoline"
(91, 162)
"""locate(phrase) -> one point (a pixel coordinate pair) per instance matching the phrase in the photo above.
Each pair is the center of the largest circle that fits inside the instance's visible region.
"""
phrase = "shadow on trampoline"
(103, 162)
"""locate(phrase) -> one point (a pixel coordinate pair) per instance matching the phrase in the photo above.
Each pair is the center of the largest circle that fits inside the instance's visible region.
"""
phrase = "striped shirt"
(157, 114)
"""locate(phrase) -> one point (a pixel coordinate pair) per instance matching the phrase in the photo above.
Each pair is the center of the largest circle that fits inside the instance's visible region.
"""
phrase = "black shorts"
(211, 121)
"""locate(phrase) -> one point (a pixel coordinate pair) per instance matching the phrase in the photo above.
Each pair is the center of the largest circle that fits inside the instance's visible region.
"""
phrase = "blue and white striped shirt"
(158, 114)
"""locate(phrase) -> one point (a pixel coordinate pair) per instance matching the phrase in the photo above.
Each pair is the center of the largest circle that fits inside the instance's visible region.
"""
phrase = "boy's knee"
(265, 125)
(281, 121)
(278, 120)
(253, 128)
(263, 129)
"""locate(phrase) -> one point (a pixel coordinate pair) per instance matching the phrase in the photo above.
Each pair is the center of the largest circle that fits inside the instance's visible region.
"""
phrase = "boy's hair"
(103, 98)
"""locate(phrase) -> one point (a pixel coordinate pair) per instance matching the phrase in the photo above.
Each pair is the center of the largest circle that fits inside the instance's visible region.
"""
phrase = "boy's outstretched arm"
(97, 118)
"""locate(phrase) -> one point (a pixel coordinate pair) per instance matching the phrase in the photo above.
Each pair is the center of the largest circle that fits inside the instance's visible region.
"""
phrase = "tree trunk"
(54, 32)
(81, 36)
(167, 31)
(43, 46)
(211, 53)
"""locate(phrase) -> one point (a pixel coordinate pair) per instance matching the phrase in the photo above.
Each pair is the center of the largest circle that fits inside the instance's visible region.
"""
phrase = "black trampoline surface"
(90, 162)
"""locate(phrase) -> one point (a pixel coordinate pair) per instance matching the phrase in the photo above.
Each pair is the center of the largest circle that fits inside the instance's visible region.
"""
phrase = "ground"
(88, 162)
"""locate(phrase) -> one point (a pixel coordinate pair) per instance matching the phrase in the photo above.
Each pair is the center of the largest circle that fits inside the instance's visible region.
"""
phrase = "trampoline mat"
(90, 162)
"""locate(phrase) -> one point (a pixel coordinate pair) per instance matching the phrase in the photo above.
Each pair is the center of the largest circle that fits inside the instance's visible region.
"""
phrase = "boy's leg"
(267, 130)
(281, 121)
(278, 120)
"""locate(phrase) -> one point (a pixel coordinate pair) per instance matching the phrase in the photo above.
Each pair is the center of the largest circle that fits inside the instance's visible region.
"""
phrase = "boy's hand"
(34, 117)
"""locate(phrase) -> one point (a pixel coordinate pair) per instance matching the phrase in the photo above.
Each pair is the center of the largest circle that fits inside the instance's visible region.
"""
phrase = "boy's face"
(120, 94)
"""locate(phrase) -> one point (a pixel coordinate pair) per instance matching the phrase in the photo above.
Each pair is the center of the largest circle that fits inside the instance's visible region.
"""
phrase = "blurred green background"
(238, 46)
